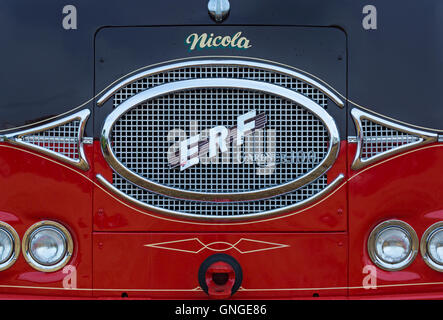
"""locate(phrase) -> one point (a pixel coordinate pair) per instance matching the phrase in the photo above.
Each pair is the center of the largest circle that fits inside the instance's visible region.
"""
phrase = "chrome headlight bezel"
(15, 245)
(392, 224)
(424, 246)
(40, 226)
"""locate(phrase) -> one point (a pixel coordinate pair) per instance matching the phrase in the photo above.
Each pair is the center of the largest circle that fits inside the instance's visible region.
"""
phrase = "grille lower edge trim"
(329, 188)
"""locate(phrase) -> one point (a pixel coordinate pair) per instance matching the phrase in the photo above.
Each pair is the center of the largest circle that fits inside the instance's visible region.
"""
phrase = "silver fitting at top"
(219, 9)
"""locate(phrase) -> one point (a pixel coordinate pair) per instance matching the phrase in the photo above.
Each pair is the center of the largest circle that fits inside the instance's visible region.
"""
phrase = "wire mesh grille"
(62, 139)
(293, 142)
(378, 139)
(214, 71)
(142, 140)
(220, 208)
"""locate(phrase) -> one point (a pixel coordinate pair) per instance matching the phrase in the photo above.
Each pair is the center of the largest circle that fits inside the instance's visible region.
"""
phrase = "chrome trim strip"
(424, 246)
(287, 209)
(358, 115)
(317, 110)
(352, 139)
(16, 138)
(440, 138)
(372, 246)
(222, 62)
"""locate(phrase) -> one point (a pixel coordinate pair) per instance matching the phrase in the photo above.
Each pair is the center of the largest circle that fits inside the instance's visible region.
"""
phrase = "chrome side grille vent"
(222, 209)
(61, 139)
(379, 138)
(280, 165)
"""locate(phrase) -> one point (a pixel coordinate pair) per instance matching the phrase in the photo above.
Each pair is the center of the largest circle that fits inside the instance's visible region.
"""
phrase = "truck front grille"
(294, 141)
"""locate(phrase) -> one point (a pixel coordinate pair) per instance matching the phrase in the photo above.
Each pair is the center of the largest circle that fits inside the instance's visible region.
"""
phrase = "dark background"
(395, 70)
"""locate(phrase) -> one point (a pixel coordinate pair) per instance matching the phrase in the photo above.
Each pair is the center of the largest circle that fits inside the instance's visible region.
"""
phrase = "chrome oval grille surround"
(379, 138)
(289, 127)
(209, 209)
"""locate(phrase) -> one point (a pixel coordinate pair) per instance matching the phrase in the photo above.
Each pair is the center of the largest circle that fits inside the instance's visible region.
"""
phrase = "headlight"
(6, 245)
(431, 246)
(392, 245)
(9, 246)
(47, 246)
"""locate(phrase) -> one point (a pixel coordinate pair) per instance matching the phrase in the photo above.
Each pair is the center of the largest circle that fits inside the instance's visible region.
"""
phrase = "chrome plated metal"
(379, 138)
(69, 244)
(61, 139)
(440, 138)
(424, 246)
(10, 231)
(219, 218)
(219, 9)
(179, 86)
(210, 68)
(385, 226)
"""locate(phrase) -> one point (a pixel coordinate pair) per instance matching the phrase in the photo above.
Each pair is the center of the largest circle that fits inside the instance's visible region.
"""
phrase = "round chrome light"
(392, 245)
(9, 246)
(47, 246)
(431, 246)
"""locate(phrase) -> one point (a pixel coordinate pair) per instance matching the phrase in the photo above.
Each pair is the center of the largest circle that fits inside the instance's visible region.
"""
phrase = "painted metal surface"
(317, 249)
(35, 187)
(112, 213)
(402, 193)
(403, 187)
(158, 254)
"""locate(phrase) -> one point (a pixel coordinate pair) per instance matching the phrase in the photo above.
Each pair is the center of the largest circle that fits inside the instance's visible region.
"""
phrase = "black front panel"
(317, 51)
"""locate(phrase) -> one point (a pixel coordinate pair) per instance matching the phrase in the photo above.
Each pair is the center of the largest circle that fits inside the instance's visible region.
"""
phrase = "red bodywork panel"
(407, 187)
(113, 214)
(320, 250)
(272, 263)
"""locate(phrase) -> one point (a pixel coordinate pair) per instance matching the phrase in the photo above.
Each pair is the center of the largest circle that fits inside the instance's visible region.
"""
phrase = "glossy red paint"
(34, 188)
(114, 214)
(321, 250)
(165, 265)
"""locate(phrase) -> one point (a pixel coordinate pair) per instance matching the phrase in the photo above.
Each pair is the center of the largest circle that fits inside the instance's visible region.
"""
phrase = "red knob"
(220, 278)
